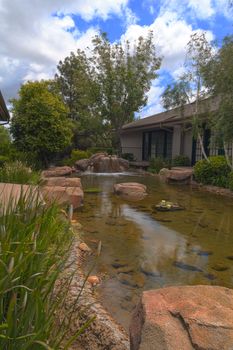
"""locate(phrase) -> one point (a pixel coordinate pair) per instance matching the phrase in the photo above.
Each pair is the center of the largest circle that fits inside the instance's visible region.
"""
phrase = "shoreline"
(104, 332)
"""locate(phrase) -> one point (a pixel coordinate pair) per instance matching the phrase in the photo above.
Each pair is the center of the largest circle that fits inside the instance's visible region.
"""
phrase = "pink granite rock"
(63, 181)
(184, 318)
(63, 195)
(130, 190)
(176, 175)
(57, 171)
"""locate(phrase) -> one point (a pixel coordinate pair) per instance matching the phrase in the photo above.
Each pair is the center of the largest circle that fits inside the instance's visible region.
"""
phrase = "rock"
(130, 190)
(149, 270)
(185, 318)
(186, 267)
(93, 280)
(57, 171)
(62, 181)
(104, 163)
(220, 267)
(84, 247)
(76, 224)
(177, 175)
(63, 195)
(82, 164)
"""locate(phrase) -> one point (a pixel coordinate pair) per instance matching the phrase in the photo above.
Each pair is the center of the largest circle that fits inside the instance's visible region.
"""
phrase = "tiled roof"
(173, 115)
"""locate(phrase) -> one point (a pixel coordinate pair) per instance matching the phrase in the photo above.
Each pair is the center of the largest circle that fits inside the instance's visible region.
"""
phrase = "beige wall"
(176, 141)
(131, 142)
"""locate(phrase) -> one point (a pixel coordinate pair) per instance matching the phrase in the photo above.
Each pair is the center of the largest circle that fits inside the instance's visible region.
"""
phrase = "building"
(4, 114)
(169, 134)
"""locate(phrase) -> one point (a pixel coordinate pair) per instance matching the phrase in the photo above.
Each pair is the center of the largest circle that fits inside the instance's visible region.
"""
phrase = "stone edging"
(213, 189)
(103, 333)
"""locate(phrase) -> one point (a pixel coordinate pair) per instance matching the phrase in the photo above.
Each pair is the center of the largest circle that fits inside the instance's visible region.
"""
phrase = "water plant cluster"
(34, 245)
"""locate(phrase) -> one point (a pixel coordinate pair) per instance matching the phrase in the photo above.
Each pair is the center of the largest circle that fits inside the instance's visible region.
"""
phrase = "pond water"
(144, 249)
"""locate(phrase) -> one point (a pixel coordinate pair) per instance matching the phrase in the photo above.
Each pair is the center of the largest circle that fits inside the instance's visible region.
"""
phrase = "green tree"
(190, 86)
(218, 75)
(110, 83)
(39, 125)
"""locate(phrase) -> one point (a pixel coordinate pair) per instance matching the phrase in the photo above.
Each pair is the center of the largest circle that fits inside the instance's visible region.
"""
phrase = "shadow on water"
(144, 249)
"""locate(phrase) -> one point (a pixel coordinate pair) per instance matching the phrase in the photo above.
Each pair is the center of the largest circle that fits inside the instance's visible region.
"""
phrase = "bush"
(181, 161)
(230, 181)
(215, 172)
(34, 250)
(107, 150)
(128, 156)
(156, 164)
(3, 160)
(76, 155)
(18, 173)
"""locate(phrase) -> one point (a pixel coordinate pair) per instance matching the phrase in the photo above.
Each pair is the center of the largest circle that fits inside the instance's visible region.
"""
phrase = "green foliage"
(108, 150)
(128, 156)
(215, 172)
(230, 181)
(35, 243)
(106, 86)
(181, 161)
(18, 173)
(218, 74)
(156, 164)
(3, 160)
(76, 155)
(39, 126)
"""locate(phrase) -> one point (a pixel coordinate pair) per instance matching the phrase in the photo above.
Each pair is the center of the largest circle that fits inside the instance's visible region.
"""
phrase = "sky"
(36, 34)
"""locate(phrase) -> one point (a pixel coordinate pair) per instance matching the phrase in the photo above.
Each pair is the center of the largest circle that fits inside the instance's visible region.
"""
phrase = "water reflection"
(143, 249)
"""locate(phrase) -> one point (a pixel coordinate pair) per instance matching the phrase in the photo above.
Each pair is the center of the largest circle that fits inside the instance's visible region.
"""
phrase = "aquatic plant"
(34, 246)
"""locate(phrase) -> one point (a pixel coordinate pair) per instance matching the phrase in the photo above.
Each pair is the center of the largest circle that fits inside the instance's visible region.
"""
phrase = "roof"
(4, 114)
(173, 115)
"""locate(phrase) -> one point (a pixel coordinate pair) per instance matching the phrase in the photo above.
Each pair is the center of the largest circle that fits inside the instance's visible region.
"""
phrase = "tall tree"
(190, 86)
(218, 75)
(116, 80)
(39, 125)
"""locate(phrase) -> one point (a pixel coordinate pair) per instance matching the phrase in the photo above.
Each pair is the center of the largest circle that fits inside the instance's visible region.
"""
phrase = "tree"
(218, 75)
(190, 86)
(39, 125)
(112, 79)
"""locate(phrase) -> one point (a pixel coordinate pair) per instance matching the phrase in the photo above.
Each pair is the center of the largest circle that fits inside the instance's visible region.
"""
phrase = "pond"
(144, 249)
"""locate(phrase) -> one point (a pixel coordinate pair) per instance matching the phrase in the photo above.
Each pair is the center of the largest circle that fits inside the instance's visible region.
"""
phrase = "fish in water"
(187, 267)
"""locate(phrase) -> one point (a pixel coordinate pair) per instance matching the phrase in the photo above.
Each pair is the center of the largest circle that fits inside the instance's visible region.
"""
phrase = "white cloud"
(37, 34)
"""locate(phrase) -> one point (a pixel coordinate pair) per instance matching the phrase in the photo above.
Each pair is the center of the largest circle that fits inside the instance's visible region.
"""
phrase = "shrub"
(230, 181)
(76, 155)
(128, 156)
(215, 172)
(3, 160)
(181, 161)
(34, 250)
(156, 164)
(18, 173)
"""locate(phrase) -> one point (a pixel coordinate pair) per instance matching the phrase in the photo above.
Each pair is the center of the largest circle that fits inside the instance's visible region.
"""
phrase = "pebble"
(84, 247)
(93, 280)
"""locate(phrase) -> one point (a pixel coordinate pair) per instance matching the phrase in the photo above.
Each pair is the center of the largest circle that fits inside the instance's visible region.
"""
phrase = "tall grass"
(34, 247)
(17, 172)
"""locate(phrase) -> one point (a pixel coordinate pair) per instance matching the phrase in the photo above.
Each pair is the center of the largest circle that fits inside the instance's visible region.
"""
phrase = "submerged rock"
(220, 267)
(186, 267)
(149, 270)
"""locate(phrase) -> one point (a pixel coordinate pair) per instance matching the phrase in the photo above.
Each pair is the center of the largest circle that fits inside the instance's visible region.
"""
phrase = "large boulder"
(185, 318)
(82, 164)
(176, 175)
(104, 163)
(62, 181)
(63, 195)
(57, 171)
(130, 190)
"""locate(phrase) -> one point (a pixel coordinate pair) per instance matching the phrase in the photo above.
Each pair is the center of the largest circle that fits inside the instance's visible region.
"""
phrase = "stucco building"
(169, 134)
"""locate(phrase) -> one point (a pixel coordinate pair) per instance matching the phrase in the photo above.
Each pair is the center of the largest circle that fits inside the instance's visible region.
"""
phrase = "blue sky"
(36, 34)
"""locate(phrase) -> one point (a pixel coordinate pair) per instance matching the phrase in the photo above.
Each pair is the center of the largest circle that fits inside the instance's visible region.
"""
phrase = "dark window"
(157, 143)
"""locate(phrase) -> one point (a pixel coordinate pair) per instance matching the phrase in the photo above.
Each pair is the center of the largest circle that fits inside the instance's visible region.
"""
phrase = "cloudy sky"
(36, 34)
